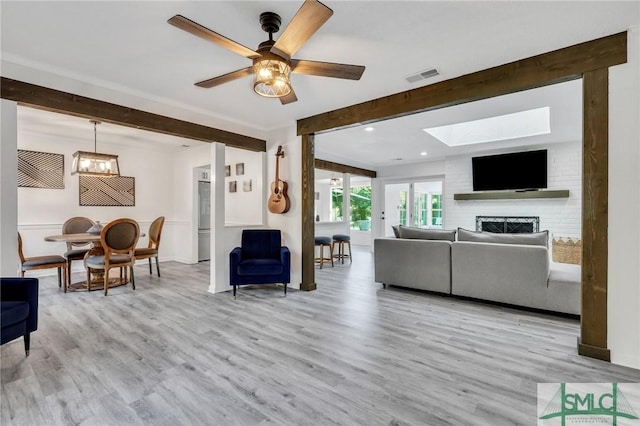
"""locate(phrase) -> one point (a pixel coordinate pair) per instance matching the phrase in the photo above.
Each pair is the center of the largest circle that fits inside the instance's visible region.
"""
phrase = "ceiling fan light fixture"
(271, 77)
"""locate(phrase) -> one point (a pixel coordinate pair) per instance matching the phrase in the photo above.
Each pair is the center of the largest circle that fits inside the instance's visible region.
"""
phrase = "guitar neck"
(277, 169)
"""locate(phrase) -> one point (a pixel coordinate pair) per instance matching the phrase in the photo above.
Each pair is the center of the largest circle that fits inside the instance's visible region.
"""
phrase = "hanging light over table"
(94, 163)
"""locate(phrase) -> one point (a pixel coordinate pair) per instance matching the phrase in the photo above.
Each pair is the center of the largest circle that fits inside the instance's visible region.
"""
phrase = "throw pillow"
(426, 234)
(396, 230)
(534, 239)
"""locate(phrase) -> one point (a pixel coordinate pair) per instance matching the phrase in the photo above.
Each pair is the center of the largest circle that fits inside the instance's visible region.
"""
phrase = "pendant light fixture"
(94, 163)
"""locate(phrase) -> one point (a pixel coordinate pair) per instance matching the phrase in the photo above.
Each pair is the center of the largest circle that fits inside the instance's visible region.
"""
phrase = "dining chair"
(118, 240)
(76, 251)
(155, 230)
(43, 262)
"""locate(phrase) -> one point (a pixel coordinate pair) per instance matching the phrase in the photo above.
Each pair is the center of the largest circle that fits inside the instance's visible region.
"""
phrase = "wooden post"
(595, 172)
(308, 224)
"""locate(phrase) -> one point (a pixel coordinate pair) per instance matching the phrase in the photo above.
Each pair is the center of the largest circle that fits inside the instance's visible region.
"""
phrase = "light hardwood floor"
(349, 353)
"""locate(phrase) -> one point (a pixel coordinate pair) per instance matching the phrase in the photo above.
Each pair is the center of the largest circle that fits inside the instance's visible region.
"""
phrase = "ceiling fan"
(272, 62)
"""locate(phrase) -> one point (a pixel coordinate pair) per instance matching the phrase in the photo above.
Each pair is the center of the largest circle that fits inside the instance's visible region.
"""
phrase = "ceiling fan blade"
(203, 32)
(291, 97)
(311, 16)
(327, 69)
(221, 79)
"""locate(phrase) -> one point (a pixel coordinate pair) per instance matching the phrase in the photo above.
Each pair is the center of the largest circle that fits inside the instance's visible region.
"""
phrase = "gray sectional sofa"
(508, 268)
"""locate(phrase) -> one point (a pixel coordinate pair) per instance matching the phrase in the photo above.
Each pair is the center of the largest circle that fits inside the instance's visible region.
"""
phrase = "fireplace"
(508, 224)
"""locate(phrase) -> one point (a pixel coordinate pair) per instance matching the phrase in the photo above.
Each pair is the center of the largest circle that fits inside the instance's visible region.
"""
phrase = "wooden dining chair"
(43, 262)
(155, 230)
(76, 251)
(118, 240)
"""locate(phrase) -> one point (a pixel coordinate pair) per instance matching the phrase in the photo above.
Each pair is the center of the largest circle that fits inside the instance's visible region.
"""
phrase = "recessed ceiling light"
(502, 127)
(423, 153)
(369, 129)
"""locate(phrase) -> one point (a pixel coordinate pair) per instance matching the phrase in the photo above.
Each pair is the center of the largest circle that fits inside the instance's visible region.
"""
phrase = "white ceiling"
(126, 53)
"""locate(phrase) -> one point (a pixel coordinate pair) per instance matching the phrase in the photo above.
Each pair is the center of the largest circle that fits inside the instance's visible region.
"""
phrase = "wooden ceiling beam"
(342, 168)
(67, 103)
(548, 68)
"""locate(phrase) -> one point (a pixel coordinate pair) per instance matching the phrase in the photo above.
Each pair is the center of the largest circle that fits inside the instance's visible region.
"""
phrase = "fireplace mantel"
(512, 195)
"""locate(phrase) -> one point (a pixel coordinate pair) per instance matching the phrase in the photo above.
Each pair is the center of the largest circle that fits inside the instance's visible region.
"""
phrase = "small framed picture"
(233, 186)
(227, 170)
(246, 185)
(239, 169)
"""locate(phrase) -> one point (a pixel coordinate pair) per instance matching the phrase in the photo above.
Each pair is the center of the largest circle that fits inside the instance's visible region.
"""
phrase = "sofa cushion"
(260, 267)
(535, 238)
(426, 234)
(396, 230)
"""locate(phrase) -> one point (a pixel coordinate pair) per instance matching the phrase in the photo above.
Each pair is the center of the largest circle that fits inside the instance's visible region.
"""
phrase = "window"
(436, 209)
(402, 208)
(336, 204)
(360, 198)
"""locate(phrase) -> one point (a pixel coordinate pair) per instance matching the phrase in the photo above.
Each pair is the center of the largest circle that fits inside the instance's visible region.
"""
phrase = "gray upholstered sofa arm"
(421, 264)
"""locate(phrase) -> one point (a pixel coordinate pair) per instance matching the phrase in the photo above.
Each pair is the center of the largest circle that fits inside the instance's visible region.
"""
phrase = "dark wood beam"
(541, 70)
(307, 208)
(595, 195)
(343, 168)
(57, 101)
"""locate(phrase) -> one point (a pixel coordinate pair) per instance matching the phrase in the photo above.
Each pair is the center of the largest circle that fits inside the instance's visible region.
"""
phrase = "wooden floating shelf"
(512, 195)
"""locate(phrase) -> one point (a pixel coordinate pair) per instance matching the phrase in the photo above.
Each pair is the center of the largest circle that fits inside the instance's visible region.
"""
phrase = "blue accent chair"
(18, 309)
(260, 260)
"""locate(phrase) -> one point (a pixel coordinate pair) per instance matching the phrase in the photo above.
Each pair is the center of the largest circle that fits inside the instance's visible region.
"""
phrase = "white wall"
(289, 223)
(245, 207)
(561, 216)
(623, 325)
(8, 193)
(323, 202)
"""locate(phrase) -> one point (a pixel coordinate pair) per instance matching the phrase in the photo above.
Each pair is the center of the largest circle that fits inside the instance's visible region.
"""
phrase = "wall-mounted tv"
(517, 170)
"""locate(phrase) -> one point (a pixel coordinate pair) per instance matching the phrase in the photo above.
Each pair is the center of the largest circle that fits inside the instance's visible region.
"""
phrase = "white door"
(412, 203)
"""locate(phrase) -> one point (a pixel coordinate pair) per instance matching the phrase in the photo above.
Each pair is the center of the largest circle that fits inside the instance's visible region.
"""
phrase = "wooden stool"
(323, 242)
(340, 240)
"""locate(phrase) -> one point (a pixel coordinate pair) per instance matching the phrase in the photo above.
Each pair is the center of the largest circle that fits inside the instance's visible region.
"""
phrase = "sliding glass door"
(412, 203)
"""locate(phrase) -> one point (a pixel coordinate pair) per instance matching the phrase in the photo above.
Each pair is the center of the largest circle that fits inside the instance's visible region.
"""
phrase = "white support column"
(8, 188)
(346, 200)
(219, 254)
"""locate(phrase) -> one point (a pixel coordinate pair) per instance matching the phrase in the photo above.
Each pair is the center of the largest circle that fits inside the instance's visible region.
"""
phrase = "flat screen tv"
(518, 170)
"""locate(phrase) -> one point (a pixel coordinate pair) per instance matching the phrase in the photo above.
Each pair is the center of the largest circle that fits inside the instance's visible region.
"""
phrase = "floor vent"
(423, 75)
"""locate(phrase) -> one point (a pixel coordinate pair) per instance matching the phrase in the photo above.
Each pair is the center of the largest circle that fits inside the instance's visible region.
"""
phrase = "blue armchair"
(18, 309)
(260, 260)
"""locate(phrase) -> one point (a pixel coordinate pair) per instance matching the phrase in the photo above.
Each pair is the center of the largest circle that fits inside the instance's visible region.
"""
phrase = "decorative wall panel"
(112, 191)
(40, 169)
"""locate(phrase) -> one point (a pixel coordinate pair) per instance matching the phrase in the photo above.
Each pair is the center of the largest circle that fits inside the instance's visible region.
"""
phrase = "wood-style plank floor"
(349, 353)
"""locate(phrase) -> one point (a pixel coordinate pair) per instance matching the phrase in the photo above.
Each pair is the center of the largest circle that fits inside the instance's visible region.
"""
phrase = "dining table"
(97, 276)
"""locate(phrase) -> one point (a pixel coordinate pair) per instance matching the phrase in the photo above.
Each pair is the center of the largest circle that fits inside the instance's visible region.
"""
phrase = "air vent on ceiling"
(423, 75)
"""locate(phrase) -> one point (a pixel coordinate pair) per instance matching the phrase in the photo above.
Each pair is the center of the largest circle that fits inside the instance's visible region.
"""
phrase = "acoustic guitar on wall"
(278, 199)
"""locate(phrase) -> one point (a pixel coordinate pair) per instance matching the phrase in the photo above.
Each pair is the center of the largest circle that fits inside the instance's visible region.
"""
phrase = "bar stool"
(340, 240)
(323, 242)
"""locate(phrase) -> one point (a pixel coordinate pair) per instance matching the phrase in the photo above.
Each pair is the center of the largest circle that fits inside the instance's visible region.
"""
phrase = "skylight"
(502, 127)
